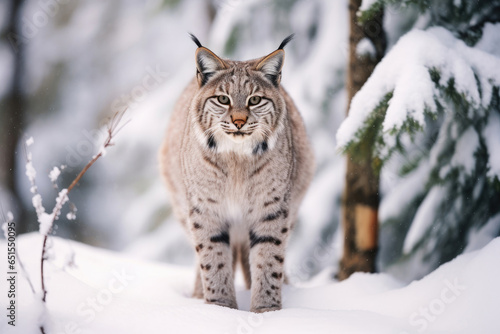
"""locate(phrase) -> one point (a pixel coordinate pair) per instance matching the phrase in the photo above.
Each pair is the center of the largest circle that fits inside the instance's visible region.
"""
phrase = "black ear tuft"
(193, 37)
(284, 43)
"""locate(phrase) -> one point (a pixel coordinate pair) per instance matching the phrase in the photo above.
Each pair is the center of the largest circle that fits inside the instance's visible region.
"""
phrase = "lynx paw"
(267, 308)
(222, 302)
(198, 294)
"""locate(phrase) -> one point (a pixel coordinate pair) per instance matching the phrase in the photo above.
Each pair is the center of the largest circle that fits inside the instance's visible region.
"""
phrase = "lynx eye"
(223, 99)
(254, 100)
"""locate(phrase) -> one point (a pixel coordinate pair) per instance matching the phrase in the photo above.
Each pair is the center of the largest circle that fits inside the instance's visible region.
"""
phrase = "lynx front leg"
(214, 259)
(267, 254)
(198, 285)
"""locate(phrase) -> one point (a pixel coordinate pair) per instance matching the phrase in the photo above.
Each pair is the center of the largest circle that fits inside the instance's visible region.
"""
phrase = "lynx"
(237, 162)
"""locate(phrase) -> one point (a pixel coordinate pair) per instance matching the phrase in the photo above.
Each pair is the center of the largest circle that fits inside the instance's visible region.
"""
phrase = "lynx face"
(239, 106)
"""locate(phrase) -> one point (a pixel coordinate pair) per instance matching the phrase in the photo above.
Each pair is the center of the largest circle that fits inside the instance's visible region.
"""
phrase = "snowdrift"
(97, 291)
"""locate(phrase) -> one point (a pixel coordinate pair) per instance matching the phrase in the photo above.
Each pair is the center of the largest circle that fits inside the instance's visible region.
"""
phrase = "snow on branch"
(436, 100)
(412, 74)
(54, 174)
(47, 220)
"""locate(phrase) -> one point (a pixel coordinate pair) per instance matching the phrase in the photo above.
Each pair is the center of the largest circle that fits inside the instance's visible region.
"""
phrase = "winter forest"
(397, 233)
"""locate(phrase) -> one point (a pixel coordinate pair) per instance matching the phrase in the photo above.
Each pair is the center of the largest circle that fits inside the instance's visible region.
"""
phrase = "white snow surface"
(97, 291)
(405, 72)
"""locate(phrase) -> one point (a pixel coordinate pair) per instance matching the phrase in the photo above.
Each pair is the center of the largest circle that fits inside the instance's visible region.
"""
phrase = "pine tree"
(13, 104)
(431, 111)
(361, 199)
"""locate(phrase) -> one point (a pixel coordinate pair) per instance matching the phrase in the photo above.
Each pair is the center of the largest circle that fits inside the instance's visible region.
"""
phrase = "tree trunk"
(361, 197)
(13, 108)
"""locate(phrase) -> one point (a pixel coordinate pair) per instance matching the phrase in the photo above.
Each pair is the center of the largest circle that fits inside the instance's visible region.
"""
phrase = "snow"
(45, 220)
(92, 67)
(30, 141)
(100, 68)
(366, 4)
(404, 71)
(5, 225)
(61, 199)
(102, 151)
(402, 194)
(365, 47)
(311, 248)
(478, 238)
(464, 150)
(490, 40)
(424, 218)
(71, 215)
(54, 174)
(492, 140)
(99, 291)
(30, 169)
(37, 204)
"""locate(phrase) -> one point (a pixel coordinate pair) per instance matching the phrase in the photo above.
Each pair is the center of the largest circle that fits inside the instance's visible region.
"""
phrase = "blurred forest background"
(66, 66)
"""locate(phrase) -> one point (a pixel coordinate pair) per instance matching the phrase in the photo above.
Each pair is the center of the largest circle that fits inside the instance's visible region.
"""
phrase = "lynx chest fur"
(237, 162)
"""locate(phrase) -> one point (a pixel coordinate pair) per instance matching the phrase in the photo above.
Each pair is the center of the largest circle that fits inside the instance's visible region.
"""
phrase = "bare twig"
(113, 128)
(44, 249)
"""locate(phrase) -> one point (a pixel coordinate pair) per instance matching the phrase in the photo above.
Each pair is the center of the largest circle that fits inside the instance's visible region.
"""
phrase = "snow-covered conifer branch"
(433, 99)
(416, 72)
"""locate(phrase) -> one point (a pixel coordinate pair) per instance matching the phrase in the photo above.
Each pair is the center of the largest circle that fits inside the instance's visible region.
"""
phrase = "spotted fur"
(237, 162)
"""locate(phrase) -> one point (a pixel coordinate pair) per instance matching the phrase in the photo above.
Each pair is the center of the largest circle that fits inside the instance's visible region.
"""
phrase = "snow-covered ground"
(91, 290)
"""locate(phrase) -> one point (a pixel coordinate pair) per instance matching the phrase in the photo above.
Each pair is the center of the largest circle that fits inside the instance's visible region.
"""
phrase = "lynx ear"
(272, 64)
(207, 63)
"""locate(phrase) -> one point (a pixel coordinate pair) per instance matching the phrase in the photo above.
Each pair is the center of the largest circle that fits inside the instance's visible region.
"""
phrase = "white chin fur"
(238, 139)
(244, 145)
(237, 144)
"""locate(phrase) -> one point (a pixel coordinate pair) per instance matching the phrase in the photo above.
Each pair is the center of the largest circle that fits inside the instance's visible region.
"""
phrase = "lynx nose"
(239, 119)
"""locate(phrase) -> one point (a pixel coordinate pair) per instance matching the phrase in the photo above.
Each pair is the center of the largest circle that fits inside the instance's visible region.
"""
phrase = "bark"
(361, 195)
